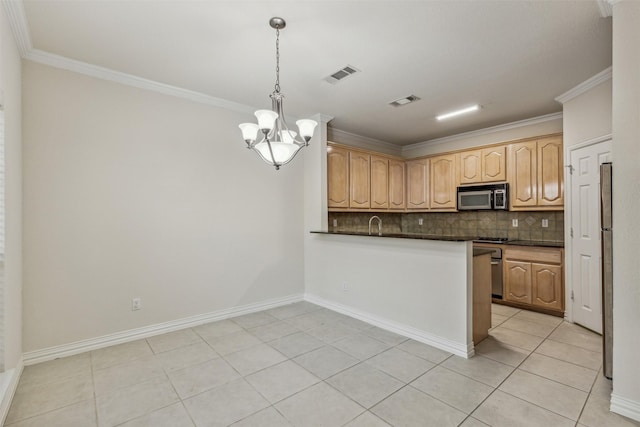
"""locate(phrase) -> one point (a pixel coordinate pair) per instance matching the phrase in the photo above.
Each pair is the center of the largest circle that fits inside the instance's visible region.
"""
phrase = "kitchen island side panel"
(421, 288)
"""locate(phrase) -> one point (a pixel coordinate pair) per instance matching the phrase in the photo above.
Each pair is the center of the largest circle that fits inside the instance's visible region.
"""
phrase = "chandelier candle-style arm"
(278, 145)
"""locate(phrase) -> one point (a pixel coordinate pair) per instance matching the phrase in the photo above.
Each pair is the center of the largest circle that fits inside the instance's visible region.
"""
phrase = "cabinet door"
(337, 177)
(379, 183)
(443, 183)
(523, 171)
(517, 281)
(396, 185)
(359, 180)
(546, 286)
(494, 162)
(550, 172)
(470, 167)
(417, 190)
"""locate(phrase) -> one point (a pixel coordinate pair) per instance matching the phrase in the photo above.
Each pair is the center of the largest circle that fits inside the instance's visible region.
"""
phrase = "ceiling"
(511, 57)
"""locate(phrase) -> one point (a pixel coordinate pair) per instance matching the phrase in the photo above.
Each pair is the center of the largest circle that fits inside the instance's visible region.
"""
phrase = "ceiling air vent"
(404, 101)
(341, 74)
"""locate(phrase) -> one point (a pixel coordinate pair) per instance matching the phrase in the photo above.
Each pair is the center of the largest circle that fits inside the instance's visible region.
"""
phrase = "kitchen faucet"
(379, 225)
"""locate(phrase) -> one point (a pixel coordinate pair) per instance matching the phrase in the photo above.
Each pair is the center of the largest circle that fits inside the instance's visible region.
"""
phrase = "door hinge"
(571, 231)
(572, 295)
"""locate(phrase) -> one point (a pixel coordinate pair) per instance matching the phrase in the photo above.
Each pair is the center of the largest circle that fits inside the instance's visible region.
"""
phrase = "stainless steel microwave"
(483, 197)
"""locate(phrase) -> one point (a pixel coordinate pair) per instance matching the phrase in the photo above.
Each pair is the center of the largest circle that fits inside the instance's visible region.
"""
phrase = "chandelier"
(278, 145)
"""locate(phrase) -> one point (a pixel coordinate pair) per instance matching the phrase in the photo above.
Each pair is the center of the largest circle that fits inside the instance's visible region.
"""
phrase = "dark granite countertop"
(417, 236)
(545, 243)
(481, 251)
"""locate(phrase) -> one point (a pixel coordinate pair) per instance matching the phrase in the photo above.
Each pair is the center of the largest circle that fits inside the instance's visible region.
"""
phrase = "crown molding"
(606, 9)
(585, 86)
(19, 25)
(348, 138)
(80, 67)
(485, 131)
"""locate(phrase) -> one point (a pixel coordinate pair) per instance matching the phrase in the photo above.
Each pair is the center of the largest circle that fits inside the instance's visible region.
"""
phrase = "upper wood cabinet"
(443, 182)
(359, 180)
(379, 182)
(550, 172)
(536, 174)
(397, 197)
(337, 177)
(417, 184)
(470, 167)
(494, 164)
(483, 165)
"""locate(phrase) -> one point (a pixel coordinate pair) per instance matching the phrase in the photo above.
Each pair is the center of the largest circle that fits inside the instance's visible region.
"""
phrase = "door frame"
(568, 242)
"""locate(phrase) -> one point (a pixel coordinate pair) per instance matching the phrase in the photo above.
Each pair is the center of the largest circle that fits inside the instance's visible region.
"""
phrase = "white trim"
(626, 407)
(77, 347)
(568, 241)
(485, 131)
(456, 348)
(19, 25)
(585, 86)
(344, 137)
(80, 67)
(8, 383)
(606, 9)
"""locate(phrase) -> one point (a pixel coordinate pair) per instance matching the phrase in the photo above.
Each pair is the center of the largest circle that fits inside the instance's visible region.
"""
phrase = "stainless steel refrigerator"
(607, 268)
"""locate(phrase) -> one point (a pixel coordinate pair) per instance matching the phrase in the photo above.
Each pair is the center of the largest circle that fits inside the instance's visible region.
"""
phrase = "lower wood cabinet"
(534, 276)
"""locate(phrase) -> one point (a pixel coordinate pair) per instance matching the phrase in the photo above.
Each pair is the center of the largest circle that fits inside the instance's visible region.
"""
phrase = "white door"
(586, 257)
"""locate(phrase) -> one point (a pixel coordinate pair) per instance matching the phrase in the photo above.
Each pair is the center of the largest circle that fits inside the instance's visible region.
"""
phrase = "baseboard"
(458, 349)
(626, 407)
(37, 356)
(8, 383)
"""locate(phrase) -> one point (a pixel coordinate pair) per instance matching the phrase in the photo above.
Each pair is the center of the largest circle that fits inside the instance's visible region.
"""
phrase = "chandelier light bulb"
(306, 128)
(266, 119)
(249, 132)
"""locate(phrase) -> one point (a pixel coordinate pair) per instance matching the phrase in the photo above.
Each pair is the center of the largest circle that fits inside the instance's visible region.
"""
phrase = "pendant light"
(278, 145)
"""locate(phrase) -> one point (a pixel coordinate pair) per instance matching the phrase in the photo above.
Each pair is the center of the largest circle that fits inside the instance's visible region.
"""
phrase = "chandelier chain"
(277, 87)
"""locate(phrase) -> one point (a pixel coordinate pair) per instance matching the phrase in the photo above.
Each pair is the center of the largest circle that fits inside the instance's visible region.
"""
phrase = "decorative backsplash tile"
(468, 223)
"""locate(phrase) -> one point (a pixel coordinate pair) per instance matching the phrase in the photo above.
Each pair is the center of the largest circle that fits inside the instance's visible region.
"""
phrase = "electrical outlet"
(545, 223)
(136, 304)
(335, 222)
(514, 222)
(345, 287)
(419, 221)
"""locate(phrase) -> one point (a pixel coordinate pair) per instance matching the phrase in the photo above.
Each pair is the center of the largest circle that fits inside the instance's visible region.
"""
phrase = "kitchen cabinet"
(536, 174)
(359, 180)
(417, 184)
(443, 182)
(533, 277)
(397, 198)
(337, 177)
(483, 165)
(379, 182)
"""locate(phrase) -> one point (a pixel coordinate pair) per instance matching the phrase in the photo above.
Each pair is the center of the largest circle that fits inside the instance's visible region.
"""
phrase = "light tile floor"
(304, 365)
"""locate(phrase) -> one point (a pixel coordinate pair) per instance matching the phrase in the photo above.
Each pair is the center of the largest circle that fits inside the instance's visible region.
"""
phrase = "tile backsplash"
(469, 223)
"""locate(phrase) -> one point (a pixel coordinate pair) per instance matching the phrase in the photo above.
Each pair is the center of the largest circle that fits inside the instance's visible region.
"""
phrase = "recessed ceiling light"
(458, 112)
(404, 101)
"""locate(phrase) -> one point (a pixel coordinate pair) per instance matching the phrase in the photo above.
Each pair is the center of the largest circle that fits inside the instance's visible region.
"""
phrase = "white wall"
(626, 206)
(588, 115)
(419, 288)
(130, 193)
(11, 85)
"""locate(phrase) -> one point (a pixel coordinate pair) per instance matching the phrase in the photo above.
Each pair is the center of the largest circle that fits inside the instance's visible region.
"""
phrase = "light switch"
(545, 223)
(514, 222)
